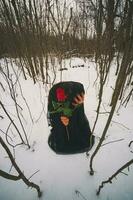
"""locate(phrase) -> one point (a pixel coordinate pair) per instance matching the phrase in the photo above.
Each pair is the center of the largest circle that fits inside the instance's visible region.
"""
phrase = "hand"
(79, 99)
(64, 120)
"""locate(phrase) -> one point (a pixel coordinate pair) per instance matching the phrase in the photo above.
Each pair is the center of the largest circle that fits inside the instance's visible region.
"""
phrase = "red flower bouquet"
(62, 106)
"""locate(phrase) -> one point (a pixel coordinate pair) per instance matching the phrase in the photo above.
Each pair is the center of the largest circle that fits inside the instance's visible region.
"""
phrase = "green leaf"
(67, 112)
(60, 109)
(66, 104)
(56, 104)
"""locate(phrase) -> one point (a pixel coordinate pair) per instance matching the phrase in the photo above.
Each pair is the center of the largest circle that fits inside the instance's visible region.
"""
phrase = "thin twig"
(21, 174)
(12, 121)
(33, 174)
(130, 143)
(6, 134)
(79, 193)
(2, 86)
(112, 142)
(120, 124)
(1, 117)
(124, 173)
(109, 180)
(22, 94)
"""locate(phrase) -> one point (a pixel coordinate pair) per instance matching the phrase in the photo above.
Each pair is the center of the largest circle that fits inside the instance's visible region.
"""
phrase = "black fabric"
(76, 137)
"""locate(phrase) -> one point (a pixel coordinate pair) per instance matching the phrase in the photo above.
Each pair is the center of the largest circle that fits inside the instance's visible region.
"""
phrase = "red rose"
(60, 94)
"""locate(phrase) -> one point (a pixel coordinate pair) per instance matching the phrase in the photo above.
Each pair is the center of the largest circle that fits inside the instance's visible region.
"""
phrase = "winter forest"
(43, 42)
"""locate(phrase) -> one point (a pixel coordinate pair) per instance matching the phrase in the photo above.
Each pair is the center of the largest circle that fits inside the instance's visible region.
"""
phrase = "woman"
(70, 131)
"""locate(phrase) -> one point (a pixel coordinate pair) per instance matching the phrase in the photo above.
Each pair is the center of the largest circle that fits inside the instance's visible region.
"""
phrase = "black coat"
(74, 138)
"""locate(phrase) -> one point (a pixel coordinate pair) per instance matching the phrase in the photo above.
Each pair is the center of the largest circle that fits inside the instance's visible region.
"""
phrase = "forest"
(39, 42)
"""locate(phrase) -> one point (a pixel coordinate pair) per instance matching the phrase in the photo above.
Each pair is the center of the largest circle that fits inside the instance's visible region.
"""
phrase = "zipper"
(68, 136)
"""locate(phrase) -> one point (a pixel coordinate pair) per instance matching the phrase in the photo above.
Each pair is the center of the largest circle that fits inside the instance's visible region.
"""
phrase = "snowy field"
(61, 176)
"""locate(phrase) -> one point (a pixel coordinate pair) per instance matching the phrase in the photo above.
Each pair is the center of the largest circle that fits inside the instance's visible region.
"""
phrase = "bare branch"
(12, 122)
(112, 142)
(21, 175)
(9, 176)
(109, 180)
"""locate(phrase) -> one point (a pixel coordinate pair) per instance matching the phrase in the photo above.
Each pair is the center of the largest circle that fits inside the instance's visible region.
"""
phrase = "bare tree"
(123, 74)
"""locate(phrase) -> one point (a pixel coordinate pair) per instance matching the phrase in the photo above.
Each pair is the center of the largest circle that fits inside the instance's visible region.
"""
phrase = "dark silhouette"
(70, 131)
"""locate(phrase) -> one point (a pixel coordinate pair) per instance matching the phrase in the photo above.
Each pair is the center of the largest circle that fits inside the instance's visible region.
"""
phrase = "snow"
(60, 176)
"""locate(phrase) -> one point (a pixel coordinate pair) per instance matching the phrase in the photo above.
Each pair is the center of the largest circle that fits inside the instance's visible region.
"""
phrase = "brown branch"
(21, 175)
(1, 117)
(109, 180)
(121, 125)
(70, 19)
(22, 94)
(102, 138)
(127, 98)
(121, 80)
(79, 193)
(124, 173)
(12, 122)
(10, 83)
(56, 24)
(103, 113)
(16, 106)
(9, 176)
(130, 143)
(2, 86)
(33, 174)
(6, 134)
(112, 142)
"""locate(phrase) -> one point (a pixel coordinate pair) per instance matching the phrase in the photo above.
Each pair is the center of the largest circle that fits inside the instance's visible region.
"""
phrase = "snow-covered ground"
(60, 176)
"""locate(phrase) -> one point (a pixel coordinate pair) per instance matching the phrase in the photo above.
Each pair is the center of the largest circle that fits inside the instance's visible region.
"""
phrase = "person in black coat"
(70, 131)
